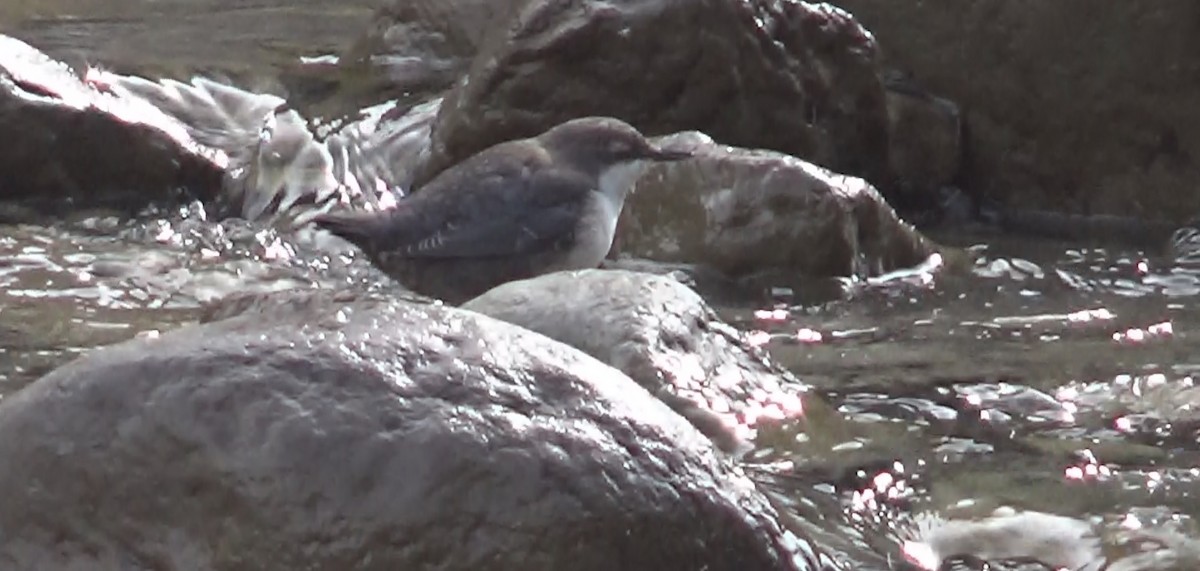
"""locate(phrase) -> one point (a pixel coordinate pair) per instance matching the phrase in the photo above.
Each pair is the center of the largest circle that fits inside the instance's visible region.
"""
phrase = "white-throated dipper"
(513, 211)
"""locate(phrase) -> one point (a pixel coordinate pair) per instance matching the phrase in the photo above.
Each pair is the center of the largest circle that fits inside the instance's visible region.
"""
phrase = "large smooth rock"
(72, 141)
(1089, 115)
(743, 210)
(790, 76)
(664, 336)
(310, 433)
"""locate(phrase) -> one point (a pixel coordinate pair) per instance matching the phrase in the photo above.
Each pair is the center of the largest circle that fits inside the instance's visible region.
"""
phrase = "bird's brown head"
(598, 143)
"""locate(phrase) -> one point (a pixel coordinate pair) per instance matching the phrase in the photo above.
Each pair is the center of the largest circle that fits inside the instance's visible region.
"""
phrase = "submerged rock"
(664, 336)
(316, 431)
(75, 143)
(741, 210)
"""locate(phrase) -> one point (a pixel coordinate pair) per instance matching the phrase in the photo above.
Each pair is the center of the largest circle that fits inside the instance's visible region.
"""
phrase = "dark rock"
(794, 77)
(1086, 115)
(74, 142)
(925, 151)
(740, 210)
(660, 333)
(318, 432)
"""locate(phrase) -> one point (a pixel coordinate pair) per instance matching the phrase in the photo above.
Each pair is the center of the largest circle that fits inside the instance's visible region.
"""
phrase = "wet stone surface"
(373, 433)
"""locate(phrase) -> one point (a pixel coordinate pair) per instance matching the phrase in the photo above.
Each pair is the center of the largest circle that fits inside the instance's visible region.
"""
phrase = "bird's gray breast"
(594, 232)
(598, 218)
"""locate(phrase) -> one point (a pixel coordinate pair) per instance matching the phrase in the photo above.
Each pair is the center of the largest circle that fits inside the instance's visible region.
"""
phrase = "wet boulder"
(664, 336)
(795, 77)
(743, 210)
(75, 143)
(325, 431)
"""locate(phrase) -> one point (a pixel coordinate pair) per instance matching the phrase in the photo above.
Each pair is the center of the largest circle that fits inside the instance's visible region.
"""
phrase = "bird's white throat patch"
(598, 220)
(617, 180)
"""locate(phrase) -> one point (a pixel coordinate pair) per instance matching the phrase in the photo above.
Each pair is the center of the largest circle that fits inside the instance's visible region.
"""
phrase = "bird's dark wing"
(496, 213)
(498, 218)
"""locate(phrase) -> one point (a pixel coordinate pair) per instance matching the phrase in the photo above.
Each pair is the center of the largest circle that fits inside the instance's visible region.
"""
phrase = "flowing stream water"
(1055, 377)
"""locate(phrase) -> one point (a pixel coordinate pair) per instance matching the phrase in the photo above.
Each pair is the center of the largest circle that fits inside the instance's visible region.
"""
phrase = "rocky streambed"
(774, 370)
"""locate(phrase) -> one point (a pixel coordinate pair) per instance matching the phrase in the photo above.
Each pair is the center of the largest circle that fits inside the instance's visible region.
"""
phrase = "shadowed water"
(1053, 377)
(178, 36)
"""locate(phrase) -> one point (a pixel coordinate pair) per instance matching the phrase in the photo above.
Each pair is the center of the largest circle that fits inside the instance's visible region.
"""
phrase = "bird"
(513, 211)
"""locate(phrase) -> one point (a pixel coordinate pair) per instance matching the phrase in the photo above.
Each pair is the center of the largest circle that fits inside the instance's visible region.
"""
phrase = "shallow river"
(1055, 377)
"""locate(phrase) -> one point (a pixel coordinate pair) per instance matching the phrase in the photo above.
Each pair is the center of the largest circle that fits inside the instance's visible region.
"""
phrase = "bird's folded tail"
(354, 227)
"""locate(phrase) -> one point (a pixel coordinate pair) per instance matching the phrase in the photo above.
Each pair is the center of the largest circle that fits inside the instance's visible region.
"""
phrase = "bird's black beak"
(668, 155)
